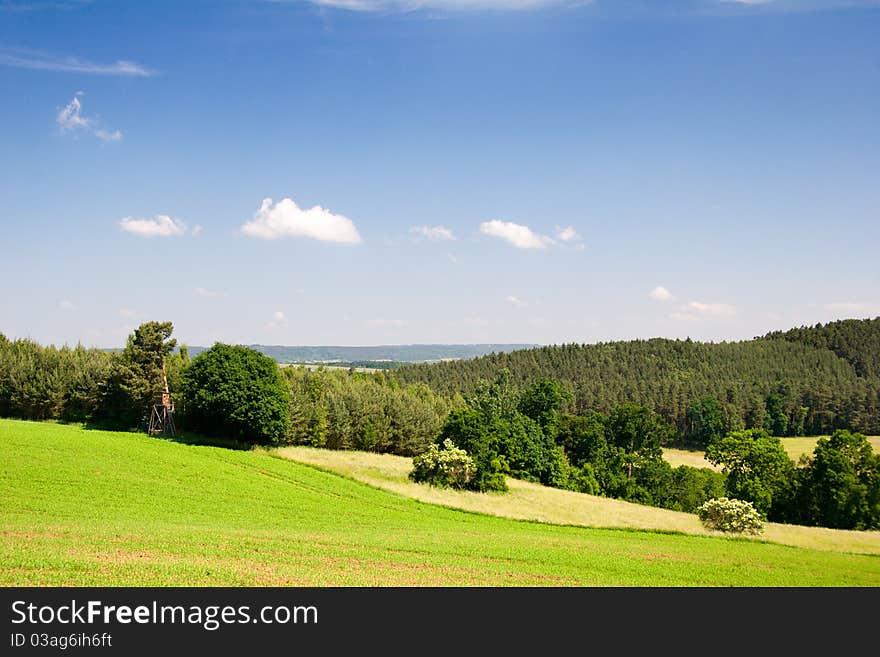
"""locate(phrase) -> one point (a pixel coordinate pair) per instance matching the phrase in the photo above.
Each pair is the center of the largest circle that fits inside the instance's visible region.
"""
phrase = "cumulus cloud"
(70, 118)
(515, 301)
(37, 60)
(522, 237)
(159, 226)
(432, 232)
(287, 219)
(567, 234)
(660, 293)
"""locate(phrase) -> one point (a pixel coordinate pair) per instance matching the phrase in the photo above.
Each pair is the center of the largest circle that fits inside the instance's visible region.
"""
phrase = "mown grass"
(84, 507)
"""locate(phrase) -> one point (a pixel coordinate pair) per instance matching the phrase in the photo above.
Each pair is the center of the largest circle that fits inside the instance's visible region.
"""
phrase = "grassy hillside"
(95, 508)
(529, 501)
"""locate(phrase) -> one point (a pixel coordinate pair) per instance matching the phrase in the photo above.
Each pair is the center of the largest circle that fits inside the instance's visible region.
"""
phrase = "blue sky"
(372, 172)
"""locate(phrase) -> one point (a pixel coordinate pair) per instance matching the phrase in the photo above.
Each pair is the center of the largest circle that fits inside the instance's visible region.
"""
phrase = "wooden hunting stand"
(162, 415)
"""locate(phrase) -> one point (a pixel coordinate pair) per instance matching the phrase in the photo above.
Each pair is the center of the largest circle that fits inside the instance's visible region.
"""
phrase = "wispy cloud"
(697, 310)
(70, 118)
(515, 301)
(522, 237)
(66, 304)
(287, 219)
(712, 309)
(660, 293)
(384, 323)
(864, 308)
(435, 233)
(210, 294)
(41, 61)
(159, 226)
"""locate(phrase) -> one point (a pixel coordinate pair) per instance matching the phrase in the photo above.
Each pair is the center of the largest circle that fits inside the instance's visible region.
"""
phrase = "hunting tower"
(162, 415)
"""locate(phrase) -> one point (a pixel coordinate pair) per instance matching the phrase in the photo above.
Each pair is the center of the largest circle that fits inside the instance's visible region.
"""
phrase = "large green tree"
(236, 392)
(757, 467)
(840, 484)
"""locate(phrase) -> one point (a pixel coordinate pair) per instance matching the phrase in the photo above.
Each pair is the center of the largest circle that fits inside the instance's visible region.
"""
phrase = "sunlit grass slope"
(94, 508)
(527, 501)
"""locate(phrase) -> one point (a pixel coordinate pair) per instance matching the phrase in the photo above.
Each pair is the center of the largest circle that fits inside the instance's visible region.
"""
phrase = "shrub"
(727, 515)
(449, 467)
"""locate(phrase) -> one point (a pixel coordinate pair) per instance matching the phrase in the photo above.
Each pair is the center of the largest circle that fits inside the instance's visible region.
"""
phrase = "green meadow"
(81, 507)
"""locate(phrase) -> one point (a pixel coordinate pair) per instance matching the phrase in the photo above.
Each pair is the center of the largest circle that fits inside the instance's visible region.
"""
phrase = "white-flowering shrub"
(727, 515)
(449, 467)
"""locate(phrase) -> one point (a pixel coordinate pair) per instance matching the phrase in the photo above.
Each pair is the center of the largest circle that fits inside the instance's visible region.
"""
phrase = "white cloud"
(287, 219)
(203, 292)
(279, 321)
(159, 226)
(452, 258)
(464, 5)
(520, 236)
(70, 117)
(433, 232)
(66, 304)
(384, 323)
(127, 313)
(197, 230)
(515, 301)
(107, 135)
(696, 311)
(660, 293)
(853, 307)
(567, 234)
(32, 59)
(712, 309)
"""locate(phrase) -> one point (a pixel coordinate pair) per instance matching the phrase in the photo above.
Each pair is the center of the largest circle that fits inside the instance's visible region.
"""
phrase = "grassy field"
(795, 447)
(528, 501)
(84, 507)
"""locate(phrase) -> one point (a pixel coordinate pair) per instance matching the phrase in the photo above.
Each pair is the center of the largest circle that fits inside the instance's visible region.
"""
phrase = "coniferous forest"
(806, 381)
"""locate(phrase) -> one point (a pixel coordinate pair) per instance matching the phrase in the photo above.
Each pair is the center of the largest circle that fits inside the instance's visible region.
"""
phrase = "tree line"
(809, 381)
(535, 431)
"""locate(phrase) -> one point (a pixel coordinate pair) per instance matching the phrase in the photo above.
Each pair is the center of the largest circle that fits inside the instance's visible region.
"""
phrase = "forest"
(588, 418)
(807, 381)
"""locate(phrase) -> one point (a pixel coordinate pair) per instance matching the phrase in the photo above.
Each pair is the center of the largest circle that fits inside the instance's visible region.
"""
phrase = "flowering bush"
(726, 515)
(449, 467)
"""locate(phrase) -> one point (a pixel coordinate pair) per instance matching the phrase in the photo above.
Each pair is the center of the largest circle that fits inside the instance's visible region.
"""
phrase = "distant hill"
(400, 353)
(809, 380)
